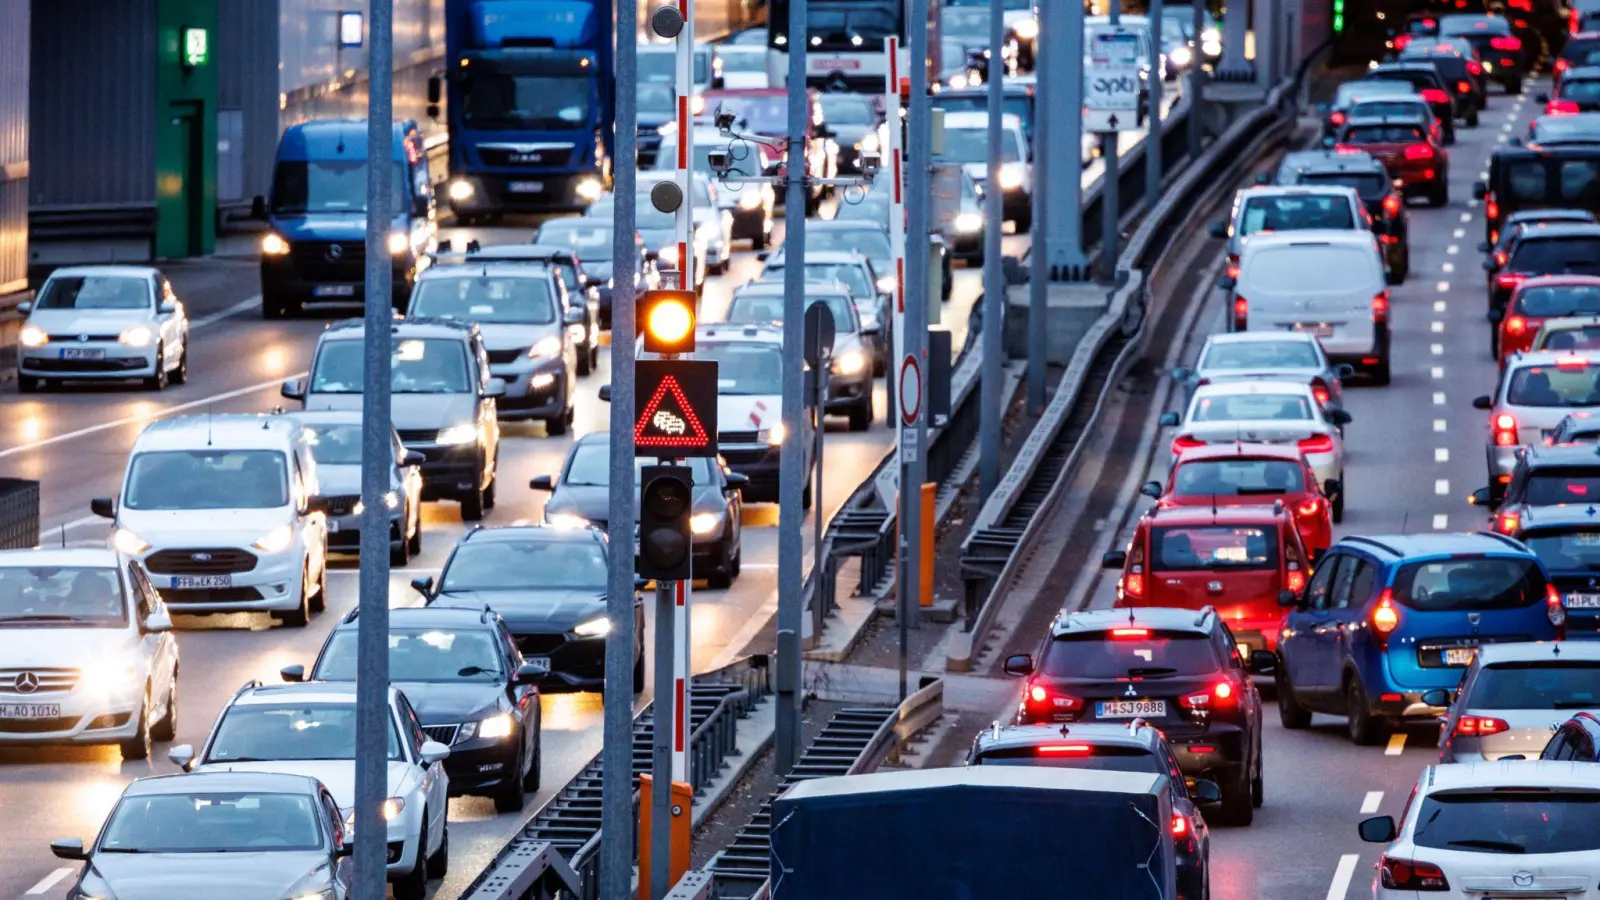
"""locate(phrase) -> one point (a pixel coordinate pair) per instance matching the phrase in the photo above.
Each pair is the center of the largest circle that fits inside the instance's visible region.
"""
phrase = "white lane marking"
(1370, 804)
(1436, 327)
(247, 303)
(1460, 233)
(1440, 306)
(1443, 286)
(1447, 268)
(147, 417)
(1483, 175)
(1506, 127)
(759, 566)
(1466, 217)
(1342, 874)
(1441, 454)
(1436, 349)
(1437, 372)
(1438, 398)
(1440, 522)
(1439, 425)
(65, 527)
(49, 881)
(1453, 249)
(1441, 486)
(1501, 139)
(1397, 743)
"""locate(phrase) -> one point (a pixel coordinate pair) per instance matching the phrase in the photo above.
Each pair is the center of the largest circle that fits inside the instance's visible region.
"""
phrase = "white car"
(224, 513)
(739, 67)
(1492, 829)
(1534, 392)
(1266, 412)
(103, 323)
(1278, 356)
(86, 652)
(713, 223)
(966, 141)
(310, 729)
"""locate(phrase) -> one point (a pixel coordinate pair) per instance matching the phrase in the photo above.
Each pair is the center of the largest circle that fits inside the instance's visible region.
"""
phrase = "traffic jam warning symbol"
(675, 408)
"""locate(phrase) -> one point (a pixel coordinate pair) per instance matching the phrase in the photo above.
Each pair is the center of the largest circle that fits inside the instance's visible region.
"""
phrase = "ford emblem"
(200, 557)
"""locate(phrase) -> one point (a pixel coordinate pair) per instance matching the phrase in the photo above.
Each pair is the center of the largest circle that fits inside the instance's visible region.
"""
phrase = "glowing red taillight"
(1401, 40)
(1506, 522)
(1337, 117)
(1419, 151)
(1435, 95)
(1561, 108)
(1516, 326)
(1294, 580)
(1509, 279)
(1065, 750)
(1309, 508)
(1391, 205)
(1506, 43)
(1045, 701)
(1479, 726)
(1554, 610)
(1180, 825)
(1561, 64)
(1491, 208)
(1221, 694)
(1241, 313)
(1504, 427)
(1474, 68)
(1385, 618)
(1133, 582)
(1183, 442)
(1320, 390)
(1317, 443)
(1133, 633)
(1380, 307)
(1233, 265)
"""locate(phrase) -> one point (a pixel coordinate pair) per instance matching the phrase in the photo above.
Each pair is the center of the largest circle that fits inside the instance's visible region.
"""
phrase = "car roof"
(421, 327)
(85, 557)
(1294, 190)
(533, 268)
(1161, 618)
(221, 781)
(301, 692)
(508, 533)
(739, 333)
(1010, 737)
(1550, 214)
(1565, 455)
(1562, 280)
(222, 431)
(1310, 237)
(1242, 387)
(326, 416)
(457, 617)
(1239, 450)
(968, 119)
(1260, 337)
(1548, 358)
(1436, 544)
(1268, 511)
(1563, 515)
(126, 271)
(1326, 160)
(1511, 774)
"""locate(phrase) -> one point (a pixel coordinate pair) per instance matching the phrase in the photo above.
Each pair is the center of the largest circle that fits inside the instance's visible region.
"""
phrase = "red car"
(1250, 475)
(1407, 149)
(1537, 300)
(1237, 559)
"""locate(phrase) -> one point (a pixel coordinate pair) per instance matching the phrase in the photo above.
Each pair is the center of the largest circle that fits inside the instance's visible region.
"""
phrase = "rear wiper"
(1575, 704)
(1486, 844)
(1151, 671)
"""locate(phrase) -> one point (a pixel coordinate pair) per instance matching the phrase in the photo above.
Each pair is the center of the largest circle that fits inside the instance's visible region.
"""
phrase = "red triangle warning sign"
(678, 415)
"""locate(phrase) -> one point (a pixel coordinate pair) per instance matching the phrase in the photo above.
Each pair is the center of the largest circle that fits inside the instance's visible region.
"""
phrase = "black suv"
(471, 688)
(1362, 171)
(1135, 747)
(1496, 254)
(1178, 669)
(1431, 85)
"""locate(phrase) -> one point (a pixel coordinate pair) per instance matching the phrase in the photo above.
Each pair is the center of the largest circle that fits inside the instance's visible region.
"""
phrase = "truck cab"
(315, 248)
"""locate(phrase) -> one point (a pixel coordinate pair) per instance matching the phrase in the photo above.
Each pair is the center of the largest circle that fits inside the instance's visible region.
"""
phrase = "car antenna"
(1404, 522)
(208, 424)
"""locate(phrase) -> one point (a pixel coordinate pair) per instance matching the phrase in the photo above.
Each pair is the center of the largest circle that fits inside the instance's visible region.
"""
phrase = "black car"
(581, 495)
(574, 245)
(1180, 670)
(1491, 36)
(1135, 747)
(1496, 254)
(1566, 538)
(1560, 248)
(1576, 739)
(1578, 92)
(853, 121)
(473, 692)
(1581, 49)
(549, 584)
(1539, 178)
(1458, 64)
(1431, 85)
(1362, 171)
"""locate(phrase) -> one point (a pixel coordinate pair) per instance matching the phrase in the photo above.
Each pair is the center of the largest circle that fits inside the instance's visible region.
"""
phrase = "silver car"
(850, 371)
(1279, 356)
(1514, 696)
(263, 835)
(1535, 392)
(336, 449)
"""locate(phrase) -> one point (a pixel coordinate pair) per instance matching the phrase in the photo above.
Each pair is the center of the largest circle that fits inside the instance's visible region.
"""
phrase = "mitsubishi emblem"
(1131, 692)
(27, 683)
(335, 252)
(1522, 879)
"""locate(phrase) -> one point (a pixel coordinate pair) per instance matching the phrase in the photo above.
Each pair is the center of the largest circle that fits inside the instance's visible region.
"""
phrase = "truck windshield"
(328, 186)
(506, 100)
(832, 24)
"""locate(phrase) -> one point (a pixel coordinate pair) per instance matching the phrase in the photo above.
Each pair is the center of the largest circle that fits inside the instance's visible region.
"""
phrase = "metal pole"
(1110, 196)
(819, 381)
(919, 194)
(372, 642)
(616, 783)
(1038, 279)
(994, 288)
(1152, 121)
(661, 747)
(1064, 94)
(686, 265)
(791, 468)
(894, 157)
(1197, 75)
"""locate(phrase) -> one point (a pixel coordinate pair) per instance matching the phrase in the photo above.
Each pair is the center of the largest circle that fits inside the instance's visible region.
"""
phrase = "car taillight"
(1506, 522)
(1491, 208)
(1500, 258)
(1319, 389)
(1294, 579)
(1561, 64)
(1241, 313)
(1309, 508)
(1380, 307)
(1479, 726)
(1043, 700)
(1554, 610)
(1474, 68)
(1065, 750)
(1130, 633)
(1509, 279)
(1434, 95)
(1317, 443)
(1506, 43)
(1516, 326)
(1505, 430)
(1180, 825)
(1391, 205)
(1419, 151)
(1463, 87)
(1133, 582)
(1223, 694)
(1411, 875)
(1233, 265)
(1401, 40)
(1385, 618)
(1561, 108)
(1184, 442)
(1336, 118)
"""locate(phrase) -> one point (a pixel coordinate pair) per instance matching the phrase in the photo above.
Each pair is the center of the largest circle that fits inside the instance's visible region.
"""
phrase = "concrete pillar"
(1235, 25)
(1267, 15)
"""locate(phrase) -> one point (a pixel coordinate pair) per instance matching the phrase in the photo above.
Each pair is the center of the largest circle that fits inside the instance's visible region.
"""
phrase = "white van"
(224, 514)
(1326, 283)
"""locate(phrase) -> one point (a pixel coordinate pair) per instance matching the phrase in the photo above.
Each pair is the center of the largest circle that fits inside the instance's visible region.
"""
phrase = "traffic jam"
(1434, 609)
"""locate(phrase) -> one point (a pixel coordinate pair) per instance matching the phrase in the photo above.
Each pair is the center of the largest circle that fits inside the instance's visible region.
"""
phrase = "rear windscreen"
(1261, 355)
(1586, 337)
(1510, 820)
(1380, 108)
(1236, 477)
(1550, 486)
(1382, 134)
(1289, 268)
(1151, 654)
(1470, 584)
(1559, 300)
(1246, 407)
(1581, 51)
(1557, 256)
(1585, 91)
(1566, 550)
(1370, 185)
(1418, 80)
(1288, 212)
(1213, 547)
(1546, 386)
(1552, 181)
(1065, 754)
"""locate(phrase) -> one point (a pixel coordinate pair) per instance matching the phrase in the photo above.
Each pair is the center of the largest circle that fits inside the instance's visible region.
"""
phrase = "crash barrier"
(19, 514)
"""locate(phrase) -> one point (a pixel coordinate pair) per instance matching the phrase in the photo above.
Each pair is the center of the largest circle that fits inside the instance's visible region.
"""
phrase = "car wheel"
(1472, 118)
(1258, 784)
(1494, 343)
(180, 375)
(414, 884)
(638, 674)
(1291, 714)
(738, 561)
(166, 728)
(510, 797)
(301, 616)
(319, 597)
(137, 746)
(27, 384)
(158, 381)
(1380, 373)
(1338, 502)
(439, 860)
(1404, 269)
(530, 780)
(559, 425)
(400, 551)
(489, 492)
(1365, 728)
(472, 506)
(1236, 805)
(861, 416)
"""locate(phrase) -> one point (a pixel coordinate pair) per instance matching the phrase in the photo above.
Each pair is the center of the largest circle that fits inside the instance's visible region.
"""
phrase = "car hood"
(343, 481)
(978, 171)
(63, 648)
(411, 412)
(81, 321)
(196, 876)
(593, 502)
(450, 702)
(339, 775)
(748, 412)
(327, 227)
(523, 610)
(202, 527)
(508, 336)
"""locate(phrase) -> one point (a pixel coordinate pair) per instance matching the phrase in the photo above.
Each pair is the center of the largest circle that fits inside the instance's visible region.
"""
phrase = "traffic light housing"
(667, 319)
(666, 500)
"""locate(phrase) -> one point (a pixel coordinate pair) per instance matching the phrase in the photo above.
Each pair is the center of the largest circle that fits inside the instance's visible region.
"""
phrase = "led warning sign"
(675, 408)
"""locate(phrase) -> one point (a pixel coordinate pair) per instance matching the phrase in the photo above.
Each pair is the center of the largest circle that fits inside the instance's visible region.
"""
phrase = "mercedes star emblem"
(335, 252)
(27, 683)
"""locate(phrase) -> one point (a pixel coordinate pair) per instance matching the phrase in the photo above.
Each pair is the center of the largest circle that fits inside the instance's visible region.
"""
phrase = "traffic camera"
(666, 498)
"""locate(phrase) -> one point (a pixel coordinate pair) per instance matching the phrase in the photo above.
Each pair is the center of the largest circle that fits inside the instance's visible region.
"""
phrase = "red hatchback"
(1250, 475)
(1238, 560)
(1407, 149)
(1537, 300)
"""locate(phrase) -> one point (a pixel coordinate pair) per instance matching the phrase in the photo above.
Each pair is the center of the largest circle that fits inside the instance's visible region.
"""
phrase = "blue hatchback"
(1386, 619)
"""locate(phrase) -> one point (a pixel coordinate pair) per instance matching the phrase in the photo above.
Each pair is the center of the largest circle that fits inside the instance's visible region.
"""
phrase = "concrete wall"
(318, 79)
(247, 100)
(13, 148)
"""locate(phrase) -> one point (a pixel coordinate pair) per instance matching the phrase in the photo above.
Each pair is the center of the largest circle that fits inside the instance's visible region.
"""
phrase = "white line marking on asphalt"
(1438, 398)
(1441, 454)
(1506, 127)
(1453, 249)
(1437, 372)
(1443, 286)
(1441, 486)
(1483, 175)
(1501, 139)
(147, 417)
(1460, 232)
(1440, 522)
(1439, 425)
(1436, 349)
(1447, 268)
(1436, 327)
(1397, 744)
(64, 527)
(1466, 217)
(49, 881)
(1342, 874)
(1440, 306)
(1374, 799)
(247, 303)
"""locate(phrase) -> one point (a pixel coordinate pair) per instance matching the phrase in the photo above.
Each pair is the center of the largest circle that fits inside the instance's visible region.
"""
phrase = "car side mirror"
(737, 481)
(69, 848)
(541, 483)
(1114, 559)
(1480, 497)
(1182, 373)
(605, 393)
(1219, 229)
(1288, 599)
(1479, 190)
(1340, 417)
(258, 207)
(433, 751)
(1436, 697)
(157, 623)
(1225, 283)
(293, 389)
(423, 585)
(1488, 265)
(1541, 98)
(25, 307)
(1483, 247)
(495, 388)
(1332, 487)
(166, 309)
(1377, 830)
(181, 755)
(1344, 370)
(1262, 662)
(1151, 489)
(1168, 420)
(1262, 178)
(413, 458)
(104, 507)
(1515, 142)
(533, 671)
(572, 317)
(1483, 401)
(1205, 791)
(293, 674)
(1019, 664)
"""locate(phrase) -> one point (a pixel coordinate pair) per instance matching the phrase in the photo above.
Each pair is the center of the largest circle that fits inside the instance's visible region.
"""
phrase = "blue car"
(1385, 619)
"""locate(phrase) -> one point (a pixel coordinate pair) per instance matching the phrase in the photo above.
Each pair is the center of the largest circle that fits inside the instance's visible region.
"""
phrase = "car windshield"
(1245, 407)
(764, 308)
(971, 24)
(1584, 337)
(65, 596)
(591, 461)
(1548, 386)
(252, 732)
(873, 243)
(761, 113)
(971, 145)
(336, 445)
(1510, 820)
(207, 479)
(1294, 211)
(1103, 654)
(95, 292)
(656, 66)
(1545, 684)
(1551, 486)
(1567, 254)
(415, 654)
(589, 237)
(532, 563)
(206, 822)
(1382, 134)
(848, 274)
(1012, 104)
(520, 299)
(1566, 550)
(525, 101)
(1288, 268)
(1239, 477)
(329, 186)
(745, 369)
(847, 109)
(1381, 108)
(1372, 186)
(1559, 300)
(1064, 754)
(1470, 25)
(421, 366)
(1261, 355)
(1190, 547)
(1470, 583)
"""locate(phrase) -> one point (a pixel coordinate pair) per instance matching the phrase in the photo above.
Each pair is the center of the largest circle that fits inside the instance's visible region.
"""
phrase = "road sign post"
(821, 331)
(1112, 106)
(1038, 290)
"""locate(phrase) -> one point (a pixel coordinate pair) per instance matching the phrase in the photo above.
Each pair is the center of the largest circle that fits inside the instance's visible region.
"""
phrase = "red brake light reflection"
(1419, 151)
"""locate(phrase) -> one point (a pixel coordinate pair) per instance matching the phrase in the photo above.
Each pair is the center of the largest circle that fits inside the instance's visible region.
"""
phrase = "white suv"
(224, 513)
(86, 652)
(310, 729)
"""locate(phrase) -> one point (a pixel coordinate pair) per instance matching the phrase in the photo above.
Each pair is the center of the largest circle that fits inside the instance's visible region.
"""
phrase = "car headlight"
(274, 245)
(1488, 66)
(669, 255)
(275, 541)
(137, 336)
(869, 320)
(461, 190)
(599, 626)
(541, 380)
(399, 242)
(868, 144)
(566, 520)
(1027, 29)
(959, 80)
(33, 337)
(588, 189)
(704, 523)
(773, 435)
(100, 676)
(392, 500)
(547, 347)
(393, 807)
(456, 435)
(1011, 176)
(749, 200)
(495, 727)
(887, 283)
(969, 223)
(1180, 56)
(127, 542)
(850, 362)
(1211, 47)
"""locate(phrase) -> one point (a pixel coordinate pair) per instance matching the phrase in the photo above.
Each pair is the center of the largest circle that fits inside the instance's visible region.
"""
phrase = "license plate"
(1320, 329)
(334, 290)
(182, 582)
(29, 711)
(829, 65)
(1127, 709)
(1459, 656)
(526, 187)
(1582, 601)
(82, 353)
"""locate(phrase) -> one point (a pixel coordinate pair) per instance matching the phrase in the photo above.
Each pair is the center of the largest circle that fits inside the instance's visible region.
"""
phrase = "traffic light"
(668, 320)
(1338, 16)
(665, 500)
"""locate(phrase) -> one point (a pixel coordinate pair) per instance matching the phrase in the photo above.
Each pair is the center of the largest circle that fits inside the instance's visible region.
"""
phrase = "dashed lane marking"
(1441, 486)
(1436, 349)
(1397, 741)
(1436, 372)
(1342, 874)
(48, 882)
(1440, 522)
(1466, 217)
(1441, 454)
(1460, 233)
(1371, 802)
(1443, 286)
(1436, 327)
(1447, 268)
(1439, 425)
(1438, 398)
(1440, 306)
(1453, 249)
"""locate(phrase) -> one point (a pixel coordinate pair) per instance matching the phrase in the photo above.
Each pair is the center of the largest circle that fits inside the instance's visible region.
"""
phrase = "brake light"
(1509, 279)
(1474, 68)
(1554, 610)
(1419, 151)
(1184, 442)
(1380, 307)
(1233, 265)
(1130, 632)
(1222, 691)
(1561, 64)
(1385, 618)
(1463, 87)
(1133, 582)
(1336, 118)
(1038, 694)
(1045, 701)
(1064, 750)
(1506, 522)
(1220, 695)
(1506, 43)
(1401, 40)
(1505, 430)
(1479, 726)
(1319, 389)
(1294, 580)
(1491, 208)
(1317, 443)
(1500, 258)
(1309, 508)
(1411, 875)
(1180, 825)
(1434, 95)
(1391, 205)
(1241, 313)
(1571, 362)
(1516, 325)
(1561, 108)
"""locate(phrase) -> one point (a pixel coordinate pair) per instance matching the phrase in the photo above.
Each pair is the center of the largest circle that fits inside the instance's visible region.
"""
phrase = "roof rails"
(1375, 543)
(1207, 610)
(250, 685)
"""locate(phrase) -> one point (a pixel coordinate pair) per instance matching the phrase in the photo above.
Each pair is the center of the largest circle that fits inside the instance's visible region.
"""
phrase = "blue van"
(1386, 619)
(315, 249)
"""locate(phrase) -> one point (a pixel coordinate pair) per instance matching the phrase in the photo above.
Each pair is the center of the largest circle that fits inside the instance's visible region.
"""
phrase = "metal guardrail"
(532, 869)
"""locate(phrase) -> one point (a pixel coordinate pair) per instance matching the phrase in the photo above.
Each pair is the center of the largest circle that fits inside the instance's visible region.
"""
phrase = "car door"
(158, 649)
(1298, 645)
(488, 419)
(167, 325)
(435, 785)
(342, 865)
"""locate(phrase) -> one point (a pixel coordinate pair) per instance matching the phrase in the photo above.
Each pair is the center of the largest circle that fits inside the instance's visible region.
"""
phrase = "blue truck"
(529, 87)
